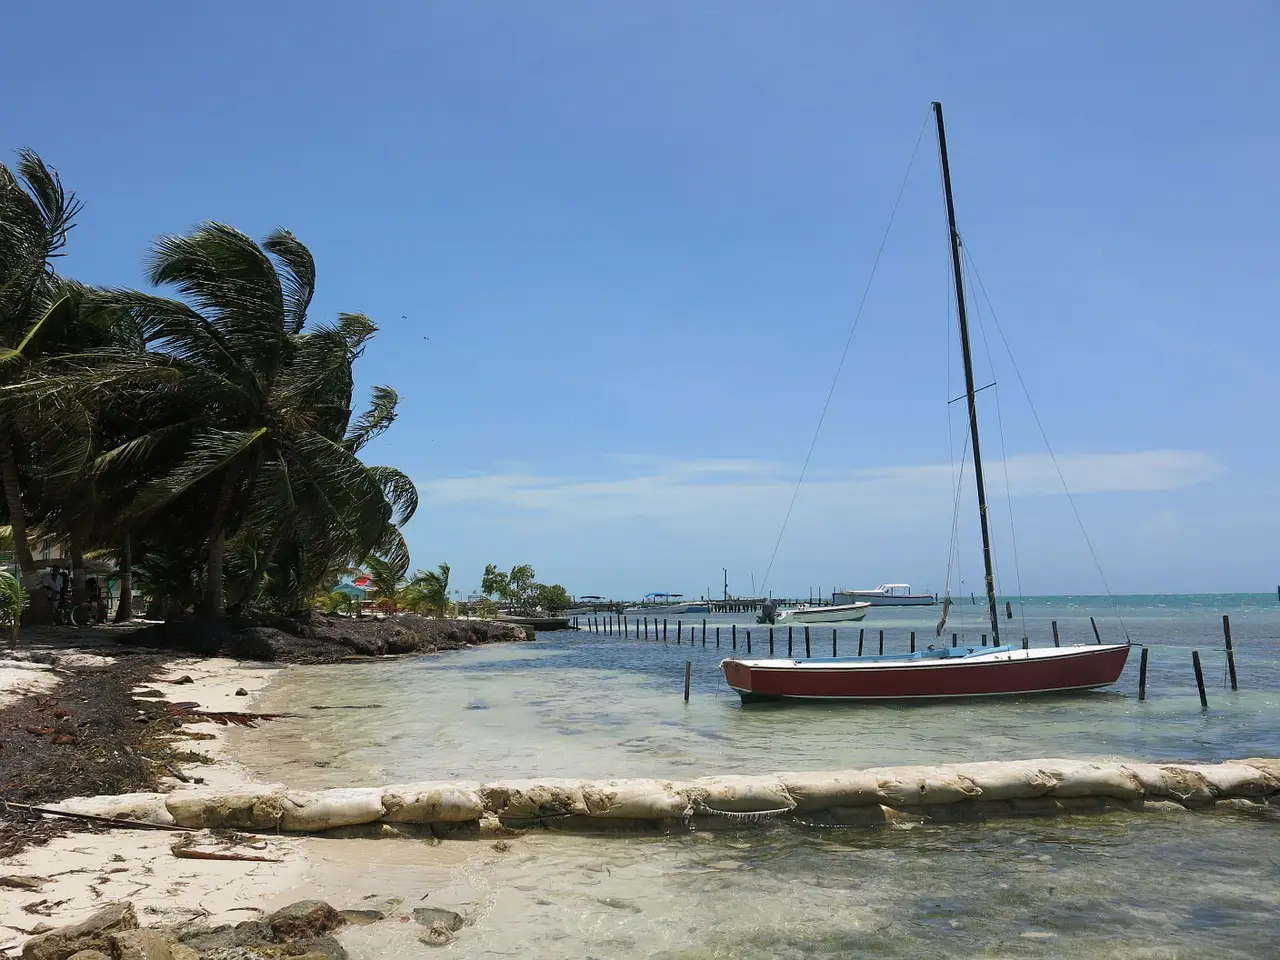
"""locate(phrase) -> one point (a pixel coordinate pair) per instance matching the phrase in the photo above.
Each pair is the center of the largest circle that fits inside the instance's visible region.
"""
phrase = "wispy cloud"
(660, 488)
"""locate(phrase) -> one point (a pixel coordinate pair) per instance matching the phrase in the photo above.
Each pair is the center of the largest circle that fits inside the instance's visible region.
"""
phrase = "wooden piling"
(704, 631)
(835, 650)
(1195, 662)
(807, 651)
(679, 632)
(790, 636)
(1054, 624)
(771, 641)
(1231, 656)
(664, 629)
(984, 639)
(733, 630)
(1097, 638)
(953, 640)
(1025, 645)
(717, 638)
(862, 633)
(646, 628)
(1008, 610)
(688, 674)
(1142, 675)
(913, 641)
(748, 641)
(882, 643)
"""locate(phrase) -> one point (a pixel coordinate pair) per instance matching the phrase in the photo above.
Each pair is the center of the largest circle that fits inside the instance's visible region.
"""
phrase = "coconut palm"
(428, 590)
(249, 438)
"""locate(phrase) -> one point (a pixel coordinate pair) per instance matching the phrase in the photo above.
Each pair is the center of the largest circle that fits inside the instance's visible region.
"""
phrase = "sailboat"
(999, 670)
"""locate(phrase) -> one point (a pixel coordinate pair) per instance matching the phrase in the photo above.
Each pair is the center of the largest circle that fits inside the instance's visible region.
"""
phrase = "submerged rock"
(91, 934)
(430, 916)
(303, 920)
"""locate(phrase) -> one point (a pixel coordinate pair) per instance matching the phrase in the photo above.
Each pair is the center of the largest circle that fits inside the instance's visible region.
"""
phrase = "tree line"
(201, 436)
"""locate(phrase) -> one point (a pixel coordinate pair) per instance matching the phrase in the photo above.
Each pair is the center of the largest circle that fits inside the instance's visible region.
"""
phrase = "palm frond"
(374, 421)
(298, 278)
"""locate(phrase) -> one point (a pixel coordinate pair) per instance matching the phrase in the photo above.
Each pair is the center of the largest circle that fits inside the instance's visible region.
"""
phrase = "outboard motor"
(768, 612)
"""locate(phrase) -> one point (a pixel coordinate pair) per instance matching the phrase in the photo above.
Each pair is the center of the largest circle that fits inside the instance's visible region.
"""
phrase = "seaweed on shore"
(88, 736)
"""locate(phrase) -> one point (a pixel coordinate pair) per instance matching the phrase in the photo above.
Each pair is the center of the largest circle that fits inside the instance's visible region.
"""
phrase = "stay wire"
(1052, 456)
(884, 240)
(1004, 451)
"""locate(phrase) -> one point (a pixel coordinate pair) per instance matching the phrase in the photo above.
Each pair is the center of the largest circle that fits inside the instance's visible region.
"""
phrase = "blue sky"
(636, 236)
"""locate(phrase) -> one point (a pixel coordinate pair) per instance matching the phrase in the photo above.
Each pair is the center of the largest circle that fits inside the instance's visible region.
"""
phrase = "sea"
(592, 705)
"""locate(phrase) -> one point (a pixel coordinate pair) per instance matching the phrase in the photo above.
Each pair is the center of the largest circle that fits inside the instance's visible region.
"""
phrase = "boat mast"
(968, 373)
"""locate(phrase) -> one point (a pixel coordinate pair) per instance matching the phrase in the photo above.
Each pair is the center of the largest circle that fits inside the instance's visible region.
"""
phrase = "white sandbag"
(533, 799)
(739, 794)
(1235, 779)
(898, 786)
(1080, 778)
(432, 802)
(1180, 783)
(1269, 766)
(1013, 780)
(143, 807)
(823, 791)
(634, 799)
(327, 809)
(242, 810)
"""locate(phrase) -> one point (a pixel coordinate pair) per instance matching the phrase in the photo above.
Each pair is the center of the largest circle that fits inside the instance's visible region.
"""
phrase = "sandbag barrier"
(879, 795)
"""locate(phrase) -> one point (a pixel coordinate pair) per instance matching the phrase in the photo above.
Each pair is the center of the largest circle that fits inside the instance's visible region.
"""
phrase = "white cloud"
(706, 488)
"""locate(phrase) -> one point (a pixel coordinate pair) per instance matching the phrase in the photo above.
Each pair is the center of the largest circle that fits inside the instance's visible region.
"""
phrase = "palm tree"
(36, 214)
(250, 439)
(386, 577)
(428, 589)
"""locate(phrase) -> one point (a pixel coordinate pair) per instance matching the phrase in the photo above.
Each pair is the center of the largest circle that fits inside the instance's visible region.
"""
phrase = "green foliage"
(386, 577)
(552, 599)
(13, 598)
(340, 601)
(428, 591)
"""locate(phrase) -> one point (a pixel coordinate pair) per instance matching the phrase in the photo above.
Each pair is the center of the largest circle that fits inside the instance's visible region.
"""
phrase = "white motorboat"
(886, 595)
(832, 613)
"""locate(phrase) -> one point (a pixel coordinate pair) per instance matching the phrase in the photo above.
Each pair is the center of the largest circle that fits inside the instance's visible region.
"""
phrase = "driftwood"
(184, 850)
(91, 818)
(188, 710)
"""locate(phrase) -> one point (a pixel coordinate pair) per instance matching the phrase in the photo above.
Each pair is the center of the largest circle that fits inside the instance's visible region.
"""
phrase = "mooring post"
(953, 640)
(835, 650)
(704, 631)
(913, 641)
(748, 641)
(1008, 610)
(771, 641)
(646, 628)
(1097, 638)
(664, 629)
(717, 638)
(688, 673)
(1054, 624)
(984, 639)
(807, 651)
(1024, 643)
(882, 643)
(1142, 675)
(733, 630)
(862, 633)
(790, 635)
(1195, 662)
(679, 632)
(1231, 657)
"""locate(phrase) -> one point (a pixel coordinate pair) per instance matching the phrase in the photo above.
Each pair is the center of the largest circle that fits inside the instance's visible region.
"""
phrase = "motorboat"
(886, 595)
(666, 604)
(831, 613)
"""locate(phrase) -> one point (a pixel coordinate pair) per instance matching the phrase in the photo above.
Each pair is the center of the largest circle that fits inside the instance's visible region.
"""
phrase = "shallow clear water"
(581, 704)
(578, 704)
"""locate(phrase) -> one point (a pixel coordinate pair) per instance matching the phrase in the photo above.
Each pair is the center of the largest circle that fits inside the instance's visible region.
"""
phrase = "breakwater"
(884, 795)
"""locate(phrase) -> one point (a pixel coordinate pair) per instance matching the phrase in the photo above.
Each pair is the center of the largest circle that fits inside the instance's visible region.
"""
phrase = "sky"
(615, 251)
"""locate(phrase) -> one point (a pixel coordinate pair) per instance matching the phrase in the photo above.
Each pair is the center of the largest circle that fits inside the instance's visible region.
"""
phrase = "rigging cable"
(1052, 456)
(845, 352)
(1004, 452)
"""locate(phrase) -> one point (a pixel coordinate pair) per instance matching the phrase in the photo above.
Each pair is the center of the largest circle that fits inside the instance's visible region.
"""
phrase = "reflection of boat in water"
(667, 603)
(831, 613)
(946, 671)
(886, 595)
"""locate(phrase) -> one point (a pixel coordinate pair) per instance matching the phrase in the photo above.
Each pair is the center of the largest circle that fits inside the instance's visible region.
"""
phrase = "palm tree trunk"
(124, 609)
(36, 612)
(214, 589)
(260, 571)
(77, 573)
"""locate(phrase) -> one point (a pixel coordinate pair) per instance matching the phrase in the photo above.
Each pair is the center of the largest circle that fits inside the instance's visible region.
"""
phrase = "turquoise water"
(579, 704)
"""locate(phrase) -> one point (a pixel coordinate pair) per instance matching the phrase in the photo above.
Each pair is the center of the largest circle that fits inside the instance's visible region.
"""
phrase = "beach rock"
(304, 920)
(241, 692)
(141, 945)
(225, 939)
(437, 935)
(89, 955)
(362, 918)
(429, 916)
(91, 934)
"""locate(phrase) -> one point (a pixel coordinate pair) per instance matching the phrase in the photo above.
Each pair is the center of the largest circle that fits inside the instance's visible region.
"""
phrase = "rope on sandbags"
(753, 816)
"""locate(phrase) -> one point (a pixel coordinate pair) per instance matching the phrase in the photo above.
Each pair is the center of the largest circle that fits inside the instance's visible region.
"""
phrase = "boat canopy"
(663, 596)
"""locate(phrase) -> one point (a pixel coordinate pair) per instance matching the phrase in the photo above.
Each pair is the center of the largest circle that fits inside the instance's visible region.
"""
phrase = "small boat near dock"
(886, 595)
(831, 613)
(670, 604)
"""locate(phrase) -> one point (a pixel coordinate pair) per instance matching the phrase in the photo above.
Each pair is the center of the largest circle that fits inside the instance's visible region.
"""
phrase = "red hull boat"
(930, 674)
